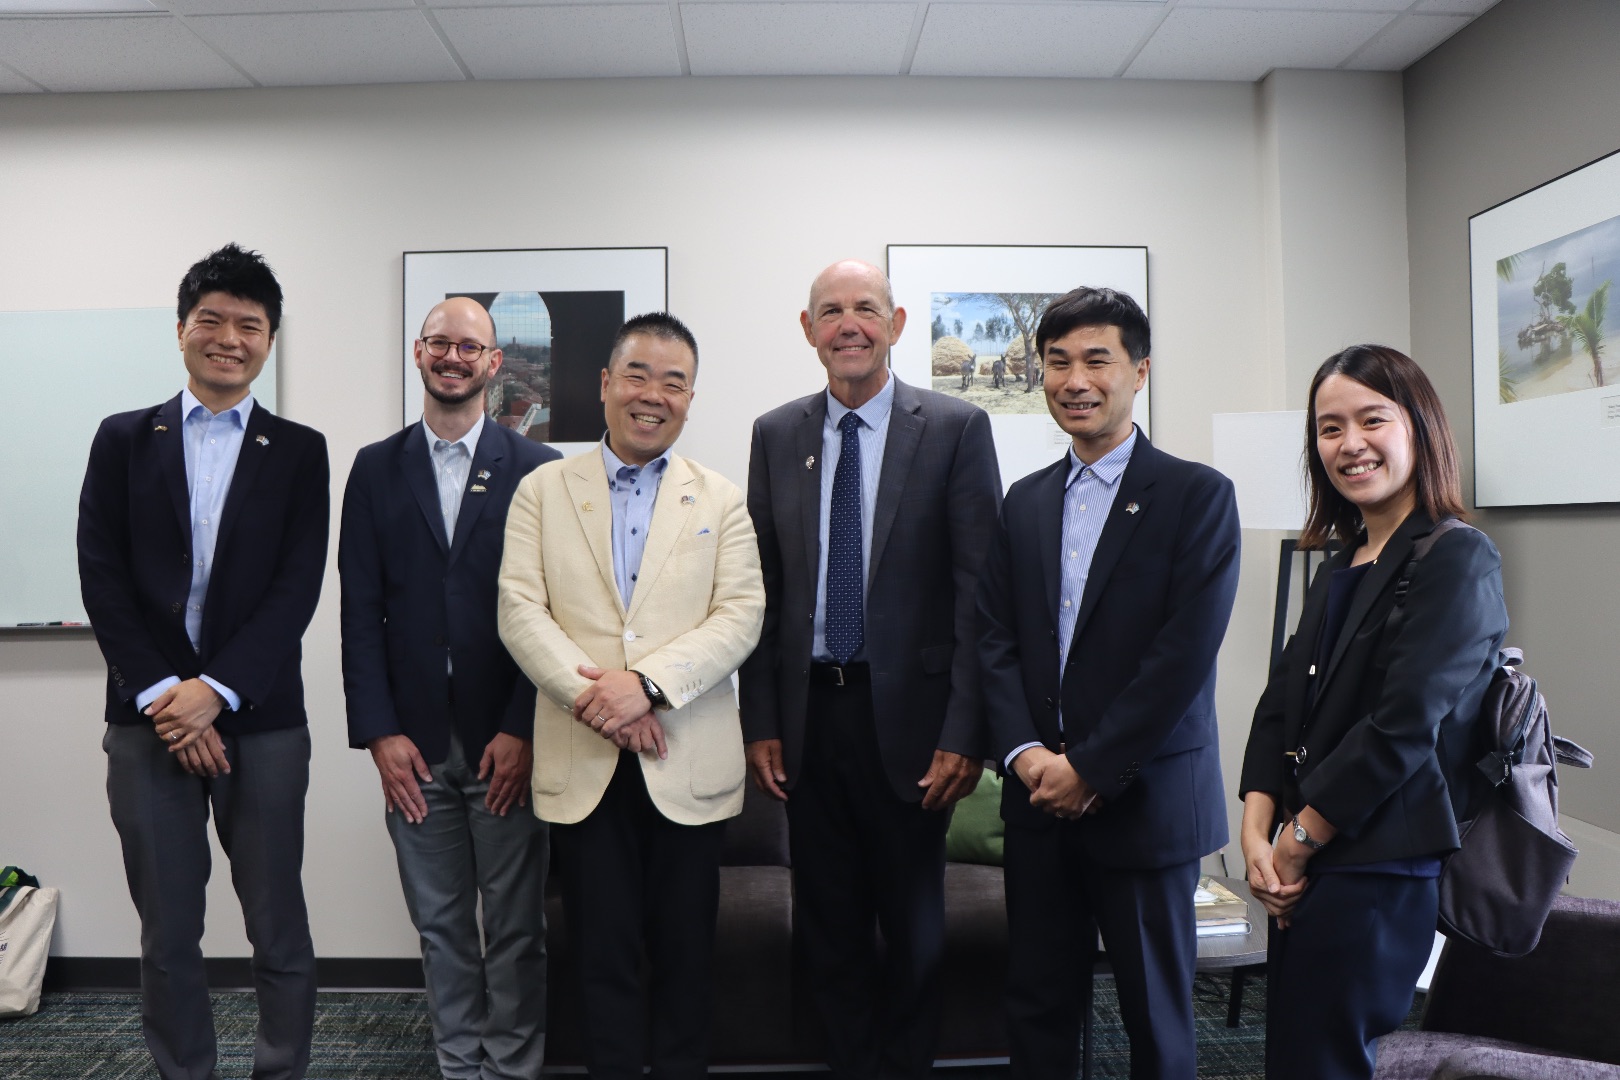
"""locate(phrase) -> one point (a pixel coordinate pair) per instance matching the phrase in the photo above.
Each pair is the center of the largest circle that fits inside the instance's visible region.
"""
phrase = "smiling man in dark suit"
(444, 710)
(874, 503)
(1104, 601)
(202, 541)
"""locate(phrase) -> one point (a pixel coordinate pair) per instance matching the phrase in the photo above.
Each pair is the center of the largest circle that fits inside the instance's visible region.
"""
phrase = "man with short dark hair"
(202, 541)
(445, 712)
(629, 593)
(874, 502)
(1099, 673)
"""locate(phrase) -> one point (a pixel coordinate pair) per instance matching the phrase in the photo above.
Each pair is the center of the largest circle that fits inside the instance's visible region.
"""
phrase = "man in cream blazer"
(630, 591)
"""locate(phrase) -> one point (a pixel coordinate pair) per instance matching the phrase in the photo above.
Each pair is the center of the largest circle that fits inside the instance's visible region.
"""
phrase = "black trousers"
(1057, 901)
(636, 885)
(161, 812)
(864, 862)
(1344, 971)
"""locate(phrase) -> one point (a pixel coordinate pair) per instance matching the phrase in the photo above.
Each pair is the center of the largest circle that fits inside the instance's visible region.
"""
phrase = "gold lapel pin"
(161, 427)
(587, 507)
(483, 474)
(1131, 508)
(810, 462)
(262, 440)
(477, 489)
(688, 500)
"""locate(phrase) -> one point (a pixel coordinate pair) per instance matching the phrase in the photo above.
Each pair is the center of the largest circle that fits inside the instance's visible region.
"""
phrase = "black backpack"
(1496, 889)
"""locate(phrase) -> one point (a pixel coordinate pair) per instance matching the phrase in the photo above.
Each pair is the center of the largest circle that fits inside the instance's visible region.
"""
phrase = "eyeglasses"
(469, 351)
(638, 382)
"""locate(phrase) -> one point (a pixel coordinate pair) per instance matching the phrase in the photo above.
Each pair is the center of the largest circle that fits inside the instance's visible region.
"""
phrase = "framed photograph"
(970, 331)
(1544, 268)
(555, 312)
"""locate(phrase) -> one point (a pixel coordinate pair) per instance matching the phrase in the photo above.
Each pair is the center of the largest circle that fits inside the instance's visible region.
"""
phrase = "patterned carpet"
(385, 1036)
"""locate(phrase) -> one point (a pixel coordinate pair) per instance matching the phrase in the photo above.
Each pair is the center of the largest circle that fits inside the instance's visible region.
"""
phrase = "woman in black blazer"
(1368, 715)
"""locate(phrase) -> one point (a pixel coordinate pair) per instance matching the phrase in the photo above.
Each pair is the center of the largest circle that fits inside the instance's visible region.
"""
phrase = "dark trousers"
(161, 813)
(634, 885)
(1057, 901)
(865, 862)
(1344, 971)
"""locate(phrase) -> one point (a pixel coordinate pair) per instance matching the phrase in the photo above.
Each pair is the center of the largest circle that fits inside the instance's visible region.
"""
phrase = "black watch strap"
(650, 688)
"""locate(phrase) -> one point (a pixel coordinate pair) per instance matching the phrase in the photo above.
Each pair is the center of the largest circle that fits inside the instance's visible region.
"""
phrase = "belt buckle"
(838, 674)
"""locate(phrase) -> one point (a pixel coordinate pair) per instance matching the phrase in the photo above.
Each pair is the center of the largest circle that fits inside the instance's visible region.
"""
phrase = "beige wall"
(753, 185)
(1522, 95)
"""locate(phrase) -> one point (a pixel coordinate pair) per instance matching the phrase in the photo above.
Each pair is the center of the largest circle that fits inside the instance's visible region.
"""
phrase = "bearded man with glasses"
(445, 712)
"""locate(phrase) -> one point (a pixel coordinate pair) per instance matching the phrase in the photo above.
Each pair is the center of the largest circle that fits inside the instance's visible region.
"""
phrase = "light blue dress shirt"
(1088, 496)
(452, 465)
(634, 490)
(874, 436)
(212, 444)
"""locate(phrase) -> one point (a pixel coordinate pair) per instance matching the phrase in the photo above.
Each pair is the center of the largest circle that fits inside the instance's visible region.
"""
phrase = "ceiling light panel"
(1406, 41)
(332, 48)
(77, 7)
(113, 54)
(1087, 40)
(563, 41)
(1195, 43)
(796, 38)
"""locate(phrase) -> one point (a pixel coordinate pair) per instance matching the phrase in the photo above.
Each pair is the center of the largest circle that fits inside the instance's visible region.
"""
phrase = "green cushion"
(976, 834)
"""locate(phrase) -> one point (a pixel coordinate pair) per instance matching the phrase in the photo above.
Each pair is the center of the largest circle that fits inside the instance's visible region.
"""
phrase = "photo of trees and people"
(1555, 335)
(983, 346)
(555, 345)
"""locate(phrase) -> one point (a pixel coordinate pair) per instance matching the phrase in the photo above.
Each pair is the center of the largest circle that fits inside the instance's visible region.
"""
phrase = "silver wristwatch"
(1304, 837)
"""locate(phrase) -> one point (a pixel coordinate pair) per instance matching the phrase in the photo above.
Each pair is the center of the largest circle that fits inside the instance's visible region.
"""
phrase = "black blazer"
(411, 598)
(135, 563)
(1393, 715)
(936, 507)
(1138, 693)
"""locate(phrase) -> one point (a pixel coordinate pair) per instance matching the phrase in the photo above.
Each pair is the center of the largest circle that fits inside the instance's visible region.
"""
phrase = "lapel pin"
(161, 427)
(483, 474)
(1131, 508)
(587, 507)
(688, 500)
(477, 489)
(810, 462)
(262, 440)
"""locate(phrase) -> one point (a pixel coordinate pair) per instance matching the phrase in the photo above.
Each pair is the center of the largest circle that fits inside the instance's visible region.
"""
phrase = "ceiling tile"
(1390, 7)
(331, 48)
(1045, 40)
(796, 38)
(563, 41)
(1405, 41)
(12, 83)
(276, 7)
(1195, 43)
(1454, 7)
(136, 52)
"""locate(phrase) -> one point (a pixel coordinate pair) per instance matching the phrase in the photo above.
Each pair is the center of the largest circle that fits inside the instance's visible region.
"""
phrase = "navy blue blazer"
(135, 563)
(1390, 720)
(1138, 693)
(412, 599)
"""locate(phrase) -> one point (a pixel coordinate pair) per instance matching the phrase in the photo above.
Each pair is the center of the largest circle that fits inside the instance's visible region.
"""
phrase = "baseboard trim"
(234, 973)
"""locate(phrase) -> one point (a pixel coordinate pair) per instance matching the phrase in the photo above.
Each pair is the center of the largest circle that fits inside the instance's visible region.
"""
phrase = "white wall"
(753, 185)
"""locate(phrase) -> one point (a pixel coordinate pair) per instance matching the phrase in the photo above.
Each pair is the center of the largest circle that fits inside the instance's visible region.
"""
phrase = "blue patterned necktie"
(845, 601)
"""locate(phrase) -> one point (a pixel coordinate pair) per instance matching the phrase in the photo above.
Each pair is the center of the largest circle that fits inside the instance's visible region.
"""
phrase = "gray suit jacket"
(938, 498)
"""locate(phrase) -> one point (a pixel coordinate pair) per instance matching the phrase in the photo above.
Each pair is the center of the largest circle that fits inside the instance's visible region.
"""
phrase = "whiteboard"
(86, 365)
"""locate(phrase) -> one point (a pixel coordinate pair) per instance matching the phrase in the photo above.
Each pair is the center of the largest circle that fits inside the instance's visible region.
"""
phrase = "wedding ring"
(174, 736)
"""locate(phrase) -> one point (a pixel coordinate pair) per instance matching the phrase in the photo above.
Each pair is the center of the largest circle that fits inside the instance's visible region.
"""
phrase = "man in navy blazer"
(202, 541)
(1103, 604)
(444, 710)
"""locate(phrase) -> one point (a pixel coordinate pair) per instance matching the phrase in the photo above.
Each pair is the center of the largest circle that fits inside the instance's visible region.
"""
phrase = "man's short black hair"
(242, 274)
(1087, 306)
(658, 324)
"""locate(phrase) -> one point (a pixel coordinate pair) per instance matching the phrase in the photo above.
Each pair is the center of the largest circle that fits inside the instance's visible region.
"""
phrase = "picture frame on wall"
(1544, 273)
(555, 311)
(971, 313)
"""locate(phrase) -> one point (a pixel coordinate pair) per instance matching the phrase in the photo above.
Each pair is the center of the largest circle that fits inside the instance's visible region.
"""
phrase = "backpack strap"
(1420, 548)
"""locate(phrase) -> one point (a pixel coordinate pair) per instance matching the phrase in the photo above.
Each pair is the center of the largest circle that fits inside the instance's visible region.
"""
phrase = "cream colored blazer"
(694, 616)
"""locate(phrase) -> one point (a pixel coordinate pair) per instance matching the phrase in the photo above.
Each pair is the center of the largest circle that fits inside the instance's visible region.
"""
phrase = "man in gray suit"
(874, 503)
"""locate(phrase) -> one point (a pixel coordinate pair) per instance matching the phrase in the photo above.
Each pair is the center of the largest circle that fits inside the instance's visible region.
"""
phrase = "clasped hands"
(183, 717)
(1054, 785)
(616, 708)
(1276, 871)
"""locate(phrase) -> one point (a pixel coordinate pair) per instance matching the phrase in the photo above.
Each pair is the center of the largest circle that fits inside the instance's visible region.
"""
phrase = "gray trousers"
(161, 813)
(486, 994)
